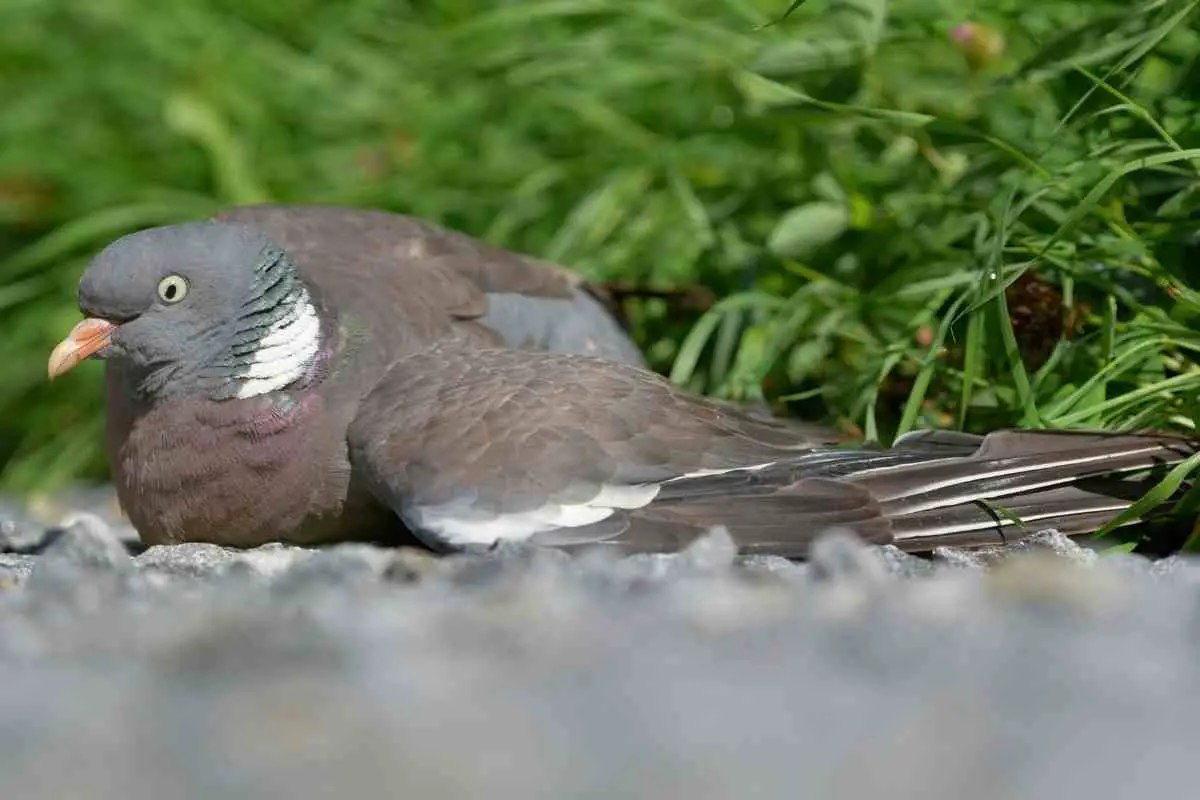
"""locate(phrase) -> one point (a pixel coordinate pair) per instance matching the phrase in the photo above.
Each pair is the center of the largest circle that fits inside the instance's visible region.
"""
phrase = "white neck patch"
(285, 352)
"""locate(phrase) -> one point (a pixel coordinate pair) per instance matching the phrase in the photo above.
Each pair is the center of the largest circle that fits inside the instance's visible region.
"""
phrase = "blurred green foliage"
(907, 220)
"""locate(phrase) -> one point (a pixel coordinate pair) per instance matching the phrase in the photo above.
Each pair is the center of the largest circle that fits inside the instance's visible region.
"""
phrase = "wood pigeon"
(313, 375)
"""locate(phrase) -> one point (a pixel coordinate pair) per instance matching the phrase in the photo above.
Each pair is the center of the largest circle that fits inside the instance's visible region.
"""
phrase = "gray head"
(201, 308)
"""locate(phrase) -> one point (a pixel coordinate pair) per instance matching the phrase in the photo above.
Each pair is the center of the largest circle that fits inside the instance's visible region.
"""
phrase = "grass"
(906, 222)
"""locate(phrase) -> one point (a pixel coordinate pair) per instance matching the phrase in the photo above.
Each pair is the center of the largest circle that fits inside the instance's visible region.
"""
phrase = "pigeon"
(312, 375)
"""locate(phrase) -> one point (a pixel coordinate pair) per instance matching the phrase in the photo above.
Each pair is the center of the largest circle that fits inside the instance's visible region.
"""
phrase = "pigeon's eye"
(172, 289)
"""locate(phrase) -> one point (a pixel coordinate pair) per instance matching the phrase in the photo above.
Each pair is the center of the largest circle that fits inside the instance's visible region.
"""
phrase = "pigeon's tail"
(930, 489)
(964, 490)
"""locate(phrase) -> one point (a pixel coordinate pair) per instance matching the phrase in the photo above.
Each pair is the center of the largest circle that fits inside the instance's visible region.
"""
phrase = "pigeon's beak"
(86, 339)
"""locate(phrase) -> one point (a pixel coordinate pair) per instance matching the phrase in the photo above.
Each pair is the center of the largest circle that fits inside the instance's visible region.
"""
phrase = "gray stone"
(713, 551)
(14, 569)
(199, 671)
(87, 543)
(19, 534)
(841, 556)
(189, 560)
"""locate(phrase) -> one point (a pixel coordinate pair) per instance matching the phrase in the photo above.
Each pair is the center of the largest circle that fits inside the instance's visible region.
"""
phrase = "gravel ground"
(196, 671)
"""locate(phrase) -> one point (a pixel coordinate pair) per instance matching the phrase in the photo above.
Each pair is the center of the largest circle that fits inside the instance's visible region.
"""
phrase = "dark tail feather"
(1076, 525)
(1065, 508)
(1017, 483)
(1010, 463)
(931, 489)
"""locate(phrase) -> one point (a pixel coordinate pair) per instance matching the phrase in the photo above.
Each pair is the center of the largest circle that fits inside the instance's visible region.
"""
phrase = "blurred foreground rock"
(197, 671)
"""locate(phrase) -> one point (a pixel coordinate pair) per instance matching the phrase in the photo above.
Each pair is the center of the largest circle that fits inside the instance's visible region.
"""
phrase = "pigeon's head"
(200, 308)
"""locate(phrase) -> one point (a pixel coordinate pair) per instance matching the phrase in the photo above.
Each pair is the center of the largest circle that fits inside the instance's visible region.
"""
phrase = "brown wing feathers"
(592, 430)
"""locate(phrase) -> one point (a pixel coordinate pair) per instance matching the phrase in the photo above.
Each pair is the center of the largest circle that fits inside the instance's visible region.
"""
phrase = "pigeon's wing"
(475, 447)
(388, 266)
(472, 447)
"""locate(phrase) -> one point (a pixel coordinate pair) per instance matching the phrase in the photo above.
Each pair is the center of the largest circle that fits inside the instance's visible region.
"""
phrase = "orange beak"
(88, 337)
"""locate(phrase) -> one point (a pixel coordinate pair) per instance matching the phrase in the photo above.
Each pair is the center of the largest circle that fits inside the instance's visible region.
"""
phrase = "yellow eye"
(172, 289)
